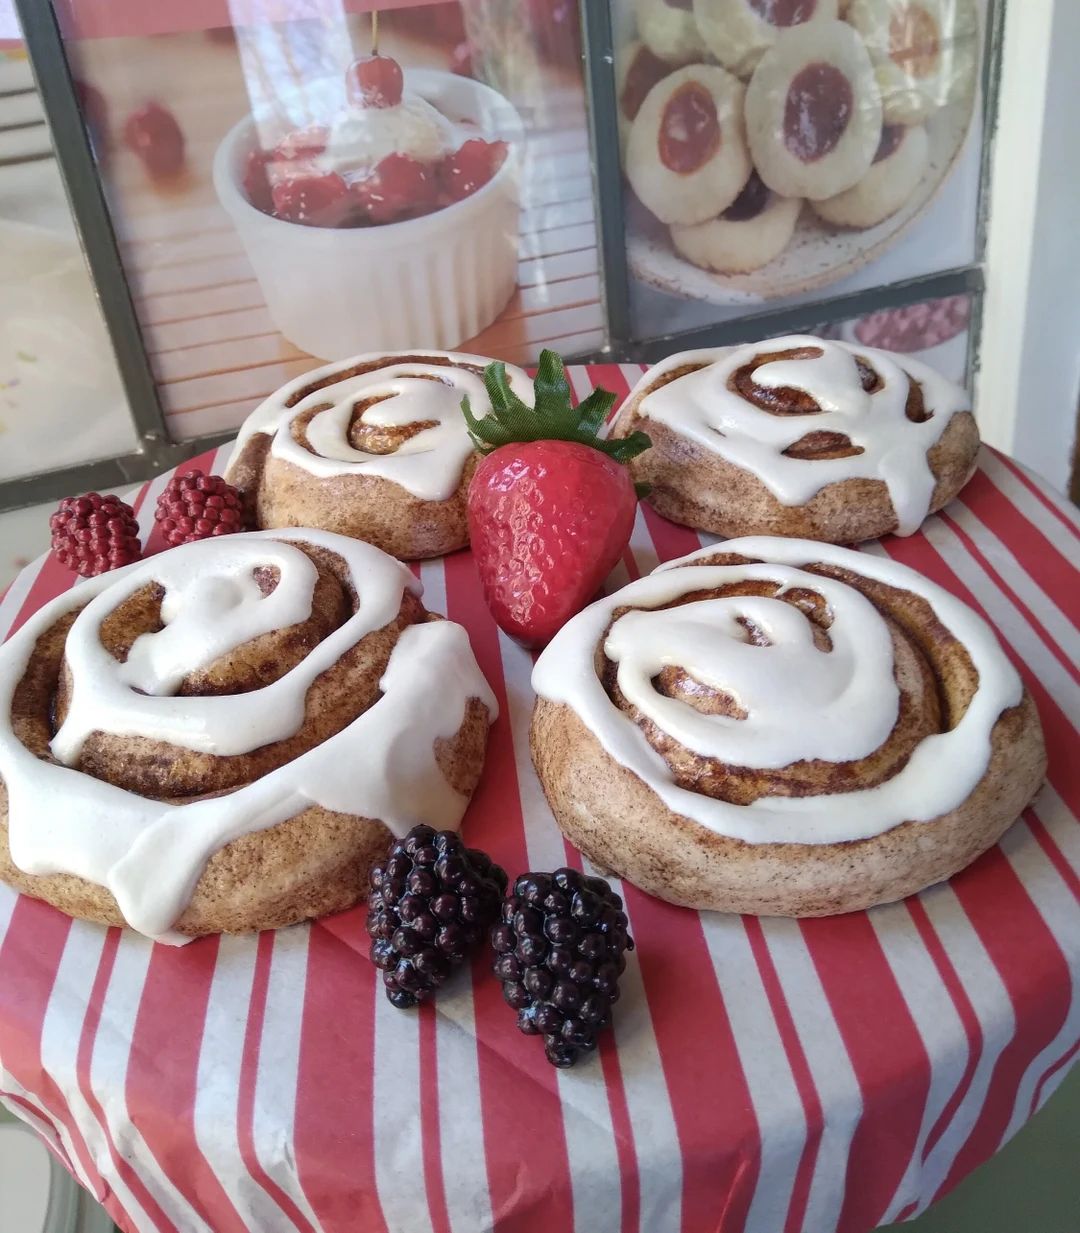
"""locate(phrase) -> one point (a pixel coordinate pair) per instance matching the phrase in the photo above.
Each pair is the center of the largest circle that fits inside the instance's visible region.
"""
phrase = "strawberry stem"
(553, 416)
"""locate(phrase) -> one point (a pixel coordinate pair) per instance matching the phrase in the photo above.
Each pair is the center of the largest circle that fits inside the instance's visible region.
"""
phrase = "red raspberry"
(374, 81)
(154, 135)
(93, 534)
(399, 187)
(314, 201)
(196, 506)
(470, 167)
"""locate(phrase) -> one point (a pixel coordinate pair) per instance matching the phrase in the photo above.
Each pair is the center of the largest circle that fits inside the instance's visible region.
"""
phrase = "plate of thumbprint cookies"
(776, 146)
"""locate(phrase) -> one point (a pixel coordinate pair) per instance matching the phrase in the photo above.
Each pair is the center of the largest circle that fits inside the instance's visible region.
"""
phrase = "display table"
(764, 1075)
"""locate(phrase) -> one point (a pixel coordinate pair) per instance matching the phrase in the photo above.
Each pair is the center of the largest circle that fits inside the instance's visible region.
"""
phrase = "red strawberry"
(551, 505)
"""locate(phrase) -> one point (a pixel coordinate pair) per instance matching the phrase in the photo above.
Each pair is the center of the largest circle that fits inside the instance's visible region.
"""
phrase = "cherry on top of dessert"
(374, 81)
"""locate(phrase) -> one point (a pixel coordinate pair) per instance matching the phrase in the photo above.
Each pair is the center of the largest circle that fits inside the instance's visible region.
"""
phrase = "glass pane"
(283, 198)
(61, 401)
(782, 151)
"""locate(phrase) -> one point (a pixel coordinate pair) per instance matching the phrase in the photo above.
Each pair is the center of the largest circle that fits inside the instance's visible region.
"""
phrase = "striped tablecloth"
(763, 1075)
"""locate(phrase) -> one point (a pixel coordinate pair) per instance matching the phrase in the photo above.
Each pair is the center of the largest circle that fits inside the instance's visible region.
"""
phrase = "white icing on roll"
(428, 465)
(703, 406)
(150, 854)
(801, 704)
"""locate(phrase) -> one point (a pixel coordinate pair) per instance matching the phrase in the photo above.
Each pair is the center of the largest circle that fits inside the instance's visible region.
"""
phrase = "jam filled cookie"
(799, 436)
(925, 53)
(668, 29)
(813, 111)
(753, 230)
(686, 157)
(895, 174)
(637, 70)
(739, 32)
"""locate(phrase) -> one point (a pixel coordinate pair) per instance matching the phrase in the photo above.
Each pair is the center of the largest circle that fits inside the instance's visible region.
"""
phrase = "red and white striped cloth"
(767, 1076)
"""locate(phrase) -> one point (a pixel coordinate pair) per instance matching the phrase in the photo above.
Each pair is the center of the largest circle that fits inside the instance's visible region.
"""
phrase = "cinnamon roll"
(224, 737)
(783, 727)
(374, 447)
(800, 436)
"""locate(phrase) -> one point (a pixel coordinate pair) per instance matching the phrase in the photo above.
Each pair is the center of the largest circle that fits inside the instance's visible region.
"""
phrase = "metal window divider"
(154, 451)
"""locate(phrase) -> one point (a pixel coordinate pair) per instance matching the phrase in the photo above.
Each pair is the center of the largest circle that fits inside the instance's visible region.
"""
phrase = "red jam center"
(645, 71)
(817, 111)
(750, 202)
(891, 136)
(784, 12)
(913, 41)
(689, 129)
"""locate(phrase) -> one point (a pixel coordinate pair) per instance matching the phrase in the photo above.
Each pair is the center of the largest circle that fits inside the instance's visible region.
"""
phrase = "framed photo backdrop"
(614, 180)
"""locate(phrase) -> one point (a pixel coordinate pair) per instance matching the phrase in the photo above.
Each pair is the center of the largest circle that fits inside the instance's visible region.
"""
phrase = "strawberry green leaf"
(593, 410)
(553, 416)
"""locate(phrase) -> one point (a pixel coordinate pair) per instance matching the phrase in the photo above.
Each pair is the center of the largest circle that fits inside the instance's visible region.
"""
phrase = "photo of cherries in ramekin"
(294, 180)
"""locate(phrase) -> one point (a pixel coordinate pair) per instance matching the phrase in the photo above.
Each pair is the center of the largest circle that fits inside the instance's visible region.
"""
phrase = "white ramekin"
(433, 281)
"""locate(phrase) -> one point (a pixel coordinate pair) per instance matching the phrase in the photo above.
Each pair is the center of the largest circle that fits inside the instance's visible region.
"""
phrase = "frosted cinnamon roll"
(800, 436)
(225, 737)
(374, 447)
(783, 728)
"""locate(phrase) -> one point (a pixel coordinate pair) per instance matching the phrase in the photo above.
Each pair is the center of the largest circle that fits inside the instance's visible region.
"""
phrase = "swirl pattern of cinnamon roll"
(783, 727)
(800, 436)
(375, 447)
(224, 737)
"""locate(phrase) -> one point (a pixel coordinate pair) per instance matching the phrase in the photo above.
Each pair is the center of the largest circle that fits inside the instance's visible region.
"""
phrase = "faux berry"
(551, 504)
(559, 952)
(470, 167)
(315, 201)
(432, 901)
(154, 135)
(400, 186)
(374, 81)
(196, 506)
(93, 534)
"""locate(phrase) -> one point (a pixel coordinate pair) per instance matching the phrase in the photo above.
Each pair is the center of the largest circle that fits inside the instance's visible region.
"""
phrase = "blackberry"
(432, 900)
(559, 954)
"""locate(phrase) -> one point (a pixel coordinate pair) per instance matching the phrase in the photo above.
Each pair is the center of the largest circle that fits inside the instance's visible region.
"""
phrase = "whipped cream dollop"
(360, 137)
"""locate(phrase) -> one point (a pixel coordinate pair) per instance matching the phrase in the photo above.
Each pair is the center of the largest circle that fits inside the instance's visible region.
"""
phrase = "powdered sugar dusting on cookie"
(705, 406)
